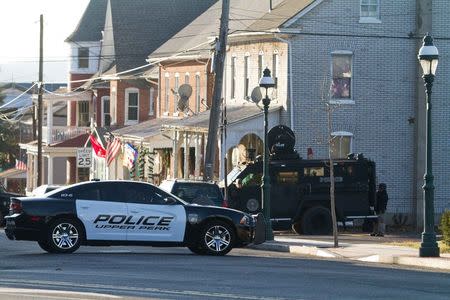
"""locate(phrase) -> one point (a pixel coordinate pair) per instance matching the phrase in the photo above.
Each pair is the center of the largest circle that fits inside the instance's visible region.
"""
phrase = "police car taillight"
(15, 207)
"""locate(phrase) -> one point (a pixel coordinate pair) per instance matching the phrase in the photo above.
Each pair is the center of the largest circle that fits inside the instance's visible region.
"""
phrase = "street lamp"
(266, 82)
(428, 57)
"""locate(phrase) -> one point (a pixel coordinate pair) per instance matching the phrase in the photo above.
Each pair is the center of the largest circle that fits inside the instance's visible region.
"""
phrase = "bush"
(445, 227)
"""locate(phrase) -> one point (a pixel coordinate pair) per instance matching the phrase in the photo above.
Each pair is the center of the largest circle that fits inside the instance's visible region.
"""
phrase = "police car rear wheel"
(64, 236)
(217, 238)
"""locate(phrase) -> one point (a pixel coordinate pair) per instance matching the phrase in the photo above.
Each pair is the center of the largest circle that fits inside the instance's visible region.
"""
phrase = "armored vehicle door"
(286, 190)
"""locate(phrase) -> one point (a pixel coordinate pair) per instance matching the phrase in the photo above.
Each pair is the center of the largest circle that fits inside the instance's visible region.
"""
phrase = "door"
(151, 219)
(286, 191)
(102, 210)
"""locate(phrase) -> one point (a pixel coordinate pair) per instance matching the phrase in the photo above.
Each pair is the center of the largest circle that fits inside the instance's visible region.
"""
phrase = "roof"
(76, 142)
(140, 26)
(195, 38)
(91, 24)
(200, 121)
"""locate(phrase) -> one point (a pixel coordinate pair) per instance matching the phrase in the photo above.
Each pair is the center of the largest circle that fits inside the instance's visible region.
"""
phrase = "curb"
(303, 250)
(426, 262)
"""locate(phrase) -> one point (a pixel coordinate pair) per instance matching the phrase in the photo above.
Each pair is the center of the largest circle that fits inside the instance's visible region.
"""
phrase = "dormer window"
(83, 58)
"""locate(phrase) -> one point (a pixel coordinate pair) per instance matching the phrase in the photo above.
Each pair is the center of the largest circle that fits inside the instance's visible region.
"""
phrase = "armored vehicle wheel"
(317, 221)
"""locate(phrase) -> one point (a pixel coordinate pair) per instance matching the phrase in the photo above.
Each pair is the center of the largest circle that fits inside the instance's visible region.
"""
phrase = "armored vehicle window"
(314, 171)
(286, 177)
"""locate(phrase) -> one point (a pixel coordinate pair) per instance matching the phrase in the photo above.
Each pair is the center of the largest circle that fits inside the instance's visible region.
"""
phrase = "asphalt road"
(174, 273)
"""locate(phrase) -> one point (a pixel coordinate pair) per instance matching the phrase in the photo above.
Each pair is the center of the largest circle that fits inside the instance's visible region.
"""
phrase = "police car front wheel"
(63, 236)
(217, 238)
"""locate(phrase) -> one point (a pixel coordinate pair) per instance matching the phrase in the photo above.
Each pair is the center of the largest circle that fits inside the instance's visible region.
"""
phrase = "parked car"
(43, 189)
(197, 192)
(4, 203)
(121, 212)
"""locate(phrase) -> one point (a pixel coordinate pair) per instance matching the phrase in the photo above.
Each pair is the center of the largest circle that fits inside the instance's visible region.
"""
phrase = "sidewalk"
(355, 247)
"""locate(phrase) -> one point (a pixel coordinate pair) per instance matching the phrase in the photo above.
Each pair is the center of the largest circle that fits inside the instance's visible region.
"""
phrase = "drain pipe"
(291, 101)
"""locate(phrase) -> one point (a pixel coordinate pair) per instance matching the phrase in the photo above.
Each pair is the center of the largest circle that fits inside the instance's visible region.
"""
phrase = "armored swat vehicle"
(300, 188)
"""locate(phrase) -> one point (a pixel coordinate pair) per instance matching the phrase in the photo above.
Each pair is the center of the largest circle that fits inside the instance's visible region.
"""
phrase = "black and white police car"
(127, 213)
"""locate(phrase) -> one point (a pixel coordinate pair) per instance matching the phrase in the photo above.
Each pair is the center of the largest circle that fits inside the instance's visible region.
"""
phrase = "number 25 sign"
(84, 157)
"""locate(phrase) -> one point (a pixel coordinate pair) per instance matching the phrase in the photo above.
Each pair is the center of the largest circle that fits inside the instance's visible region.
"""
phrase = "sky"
(19, 36)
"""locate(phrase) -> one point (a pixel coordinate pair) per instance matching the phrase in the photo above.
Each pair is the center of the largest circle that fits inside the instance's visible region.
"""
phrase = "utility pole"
(39, 104)
(219, 61)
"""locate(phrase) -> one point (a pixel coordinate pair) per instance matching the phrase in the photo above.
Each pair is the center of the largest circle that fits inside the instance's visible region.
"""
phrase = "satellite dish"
(256, 95)
(184, 92)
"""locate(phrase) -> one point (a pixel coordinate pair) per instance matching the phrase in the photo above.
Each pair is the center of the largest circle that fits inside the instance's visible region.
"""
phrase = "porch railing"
(62, 133)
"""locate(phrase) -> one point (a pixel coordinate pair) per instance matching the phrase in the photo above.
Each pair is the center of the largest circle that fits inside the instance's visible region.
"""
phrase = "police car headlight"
(246, 220)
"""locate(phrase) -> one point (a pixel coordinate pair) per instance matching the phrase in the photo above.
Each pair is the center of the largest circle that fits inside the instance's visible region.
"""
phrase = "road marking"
(52, 294)
(113, 288)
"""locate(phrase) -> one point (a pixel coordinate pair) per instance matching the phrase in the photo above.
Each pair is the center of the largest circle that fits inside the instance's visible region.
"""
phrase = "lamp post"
(266, 82)
(428, 57)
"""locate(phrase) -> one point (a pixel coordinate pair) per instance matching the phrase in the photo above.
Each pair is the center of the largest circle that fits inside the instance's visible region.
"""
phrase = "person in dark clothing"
(380, 208)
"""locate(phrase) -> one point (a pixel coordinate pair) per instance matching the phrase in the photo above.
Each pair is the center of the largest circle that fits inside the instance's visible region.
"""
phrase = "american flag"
(20, 165)
(112, 149)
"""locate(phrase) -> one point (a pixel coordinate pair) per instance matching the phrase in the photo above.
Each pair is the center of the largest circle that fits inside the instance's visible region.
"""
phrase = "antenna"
(256, 95)
(184, 92)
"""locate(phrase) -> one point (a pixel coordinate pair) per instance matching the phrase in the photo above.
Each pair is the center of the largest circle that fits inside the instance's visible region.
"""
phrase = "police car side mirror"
(170, 201)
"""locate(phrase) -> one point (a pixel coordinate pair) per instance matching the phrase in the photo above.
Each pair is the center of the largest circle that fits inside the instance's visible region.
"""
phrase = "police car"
(127, 213)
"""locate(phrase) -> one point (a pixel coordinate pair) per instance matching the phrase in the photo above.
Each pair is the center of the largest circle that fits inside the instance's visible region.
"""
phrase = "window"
(275, 63)
(260, 64)
(166, 92)
(246, 74)
(113, 106)
(286, 177)
(341, 144)
(87, 192)
(106, 115)
(314, 171)
(342, 76)
(151, 108)
(175, 90)
(370, 9)
(83, 57)
(197, 93)
(233, 77)
(131, 105)
(144, 194)
(83, 174)
(83, 113)
(186, 78)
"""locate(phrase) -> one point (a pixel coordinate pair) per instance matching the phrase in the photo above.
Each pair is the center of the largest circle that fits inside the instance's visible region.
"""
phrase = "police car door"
(102, 210)
(151, 218)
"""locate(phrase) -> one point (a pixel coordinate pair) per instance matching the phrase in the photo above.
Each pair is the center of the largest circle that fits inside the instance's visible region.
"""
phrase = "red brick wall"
(72, 117)
(191, 67)
(144, 99)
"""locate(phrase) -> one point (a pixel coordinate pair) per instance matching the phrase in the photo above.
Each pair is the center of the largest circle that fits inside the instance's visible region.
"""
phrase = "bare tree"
(329, 107)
